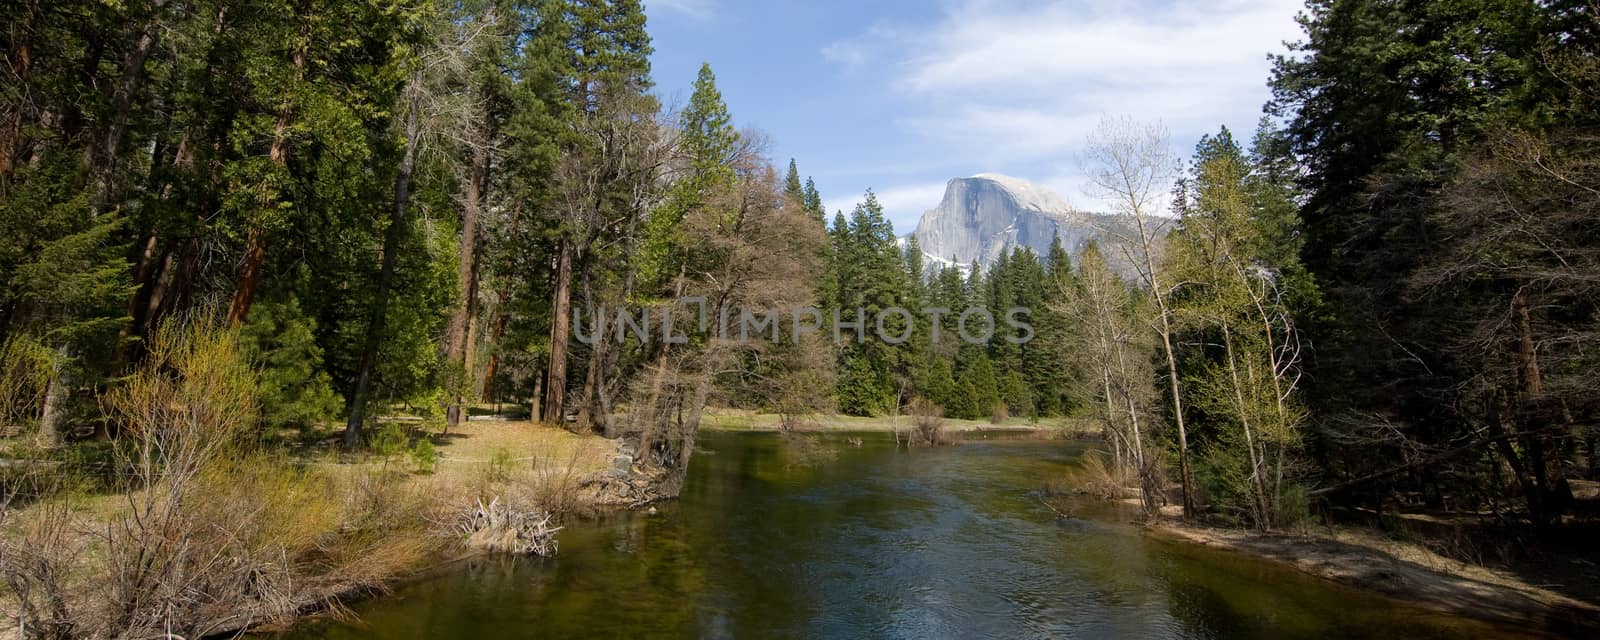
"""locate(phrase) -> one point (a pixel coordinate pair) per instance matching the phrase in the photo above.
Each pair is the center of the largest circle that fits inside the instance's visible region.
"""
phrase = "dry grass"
(256, 539)
(211, 535)
(526, 465)
(927, 425)
(1093, 477)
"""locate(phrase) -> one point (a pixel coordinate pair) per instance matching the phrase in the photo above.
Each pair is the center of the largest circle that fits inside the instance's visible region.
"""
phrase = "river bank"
(736, 420)
(1410, 572)
(303, 528)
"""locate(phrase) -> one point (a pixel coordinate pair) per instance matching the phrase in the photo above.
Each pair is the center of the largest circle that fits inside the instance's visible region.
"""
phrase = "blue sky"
(902, 96)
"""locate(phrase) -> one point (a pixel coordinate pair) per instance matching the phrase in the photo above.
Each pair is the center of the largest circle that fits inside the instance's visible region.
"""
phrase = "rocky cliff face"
(989, 214)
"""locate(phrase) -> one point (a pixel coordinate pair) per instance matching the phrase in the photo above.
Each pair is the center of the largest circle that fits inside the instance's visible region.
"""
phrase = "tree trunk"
(172, 288)
(560, 332)
(500, 317)
(1594, 463)
(469, 351)
(1111, 422)
(596, 351)
(147, 267)
(697, 408)
(1258, 501)
(393, 238)
(244, 293)
(538, 397)
(1172, 367)
(467, 275)
(255, 253)
(653, 416)
(56, 396)
(1533, 422)
(21, 64)
(1149, 484)
(1502, 440)
(103, 155)
(606, 360)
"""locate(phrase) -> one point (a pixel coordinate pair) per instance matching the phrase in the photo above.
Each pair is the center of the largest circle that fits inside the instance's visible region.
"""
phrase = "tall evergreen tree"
(813, 201)
(791, 185)
(1383, 102)
(606, 69)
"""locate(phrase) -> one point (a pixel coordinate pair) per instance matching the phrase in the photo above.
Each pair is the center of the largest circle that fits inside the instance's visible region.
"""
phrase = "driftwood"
(499, 527)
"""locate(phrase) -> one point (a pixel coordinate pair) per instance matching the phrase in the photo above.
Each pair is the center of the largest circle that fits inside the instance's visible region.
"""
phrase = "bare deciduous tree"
(1131, 167)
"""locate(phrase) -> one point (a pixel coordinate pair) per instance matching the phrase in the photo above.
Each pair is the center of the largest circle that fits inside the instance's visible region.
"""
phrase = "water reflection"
(771, 540)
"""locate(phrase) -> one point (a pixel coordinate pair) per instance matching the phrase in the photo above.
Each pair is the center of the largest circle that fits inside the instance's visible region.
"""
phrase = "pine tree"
(295, 389)
(976, 372)
(1050, 380)
(1035, 367)
(708, 134)
(791, 185)
(708, 142)
(870, 277)
(1000, 296)
(813, 201)
(1383, 102)
(606, 69)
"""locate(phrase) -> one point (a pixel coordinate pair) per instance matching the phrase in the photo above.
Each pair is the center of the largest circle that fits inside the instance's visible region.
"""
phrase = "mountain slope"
(988, 214)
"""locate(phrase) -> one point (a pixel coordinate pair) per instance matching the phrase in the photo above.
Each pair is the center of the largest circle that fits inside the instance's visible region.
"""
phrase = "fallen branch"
(499, 527)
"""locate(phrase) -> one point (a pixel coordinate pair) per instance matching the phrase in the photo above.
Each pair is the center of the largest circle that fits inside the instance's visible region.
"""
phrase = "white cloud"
(991, 134)
(847, 53)
(901, 203)
(1018, 87)
(984, 45)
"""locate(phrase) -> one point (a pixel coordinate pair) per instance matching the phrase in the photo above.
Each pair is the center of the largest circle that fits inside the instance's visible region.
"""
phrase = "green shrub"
(1294, 507)
(500, 465)
(424, 457)
(295, 390)
(389, 441)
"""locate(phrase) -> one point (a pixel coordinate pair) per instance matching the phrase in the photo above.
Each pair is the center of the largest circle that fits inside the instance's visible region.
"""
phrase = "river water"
(776, 540)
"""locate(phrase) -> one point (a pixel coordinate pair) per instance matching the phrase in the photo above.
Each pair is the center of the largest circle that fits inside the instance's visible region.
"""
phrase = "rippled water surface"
(772, 540)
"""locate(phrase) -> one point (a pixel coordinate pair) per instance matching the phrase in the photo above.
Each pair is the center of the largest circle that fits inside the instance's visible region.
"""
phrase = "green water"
(770, 541)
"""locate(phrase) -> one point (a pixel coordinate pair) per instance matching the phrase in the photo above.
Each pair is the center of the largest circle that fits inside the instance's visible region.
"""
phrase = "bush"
(424, 457)
(213, 533)
(182, 420)
(500, 465)
(1294, 507)
(295, 390)
(1094, 477)
(26, 368)
(998, 413)
(1222, 478)
(927, 423)
(389, 441)
(1016, 395)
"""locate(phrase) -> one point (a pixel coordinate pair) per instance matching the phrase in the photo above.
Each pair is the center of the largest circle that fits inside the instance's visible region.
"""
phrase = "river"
(775, 540)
